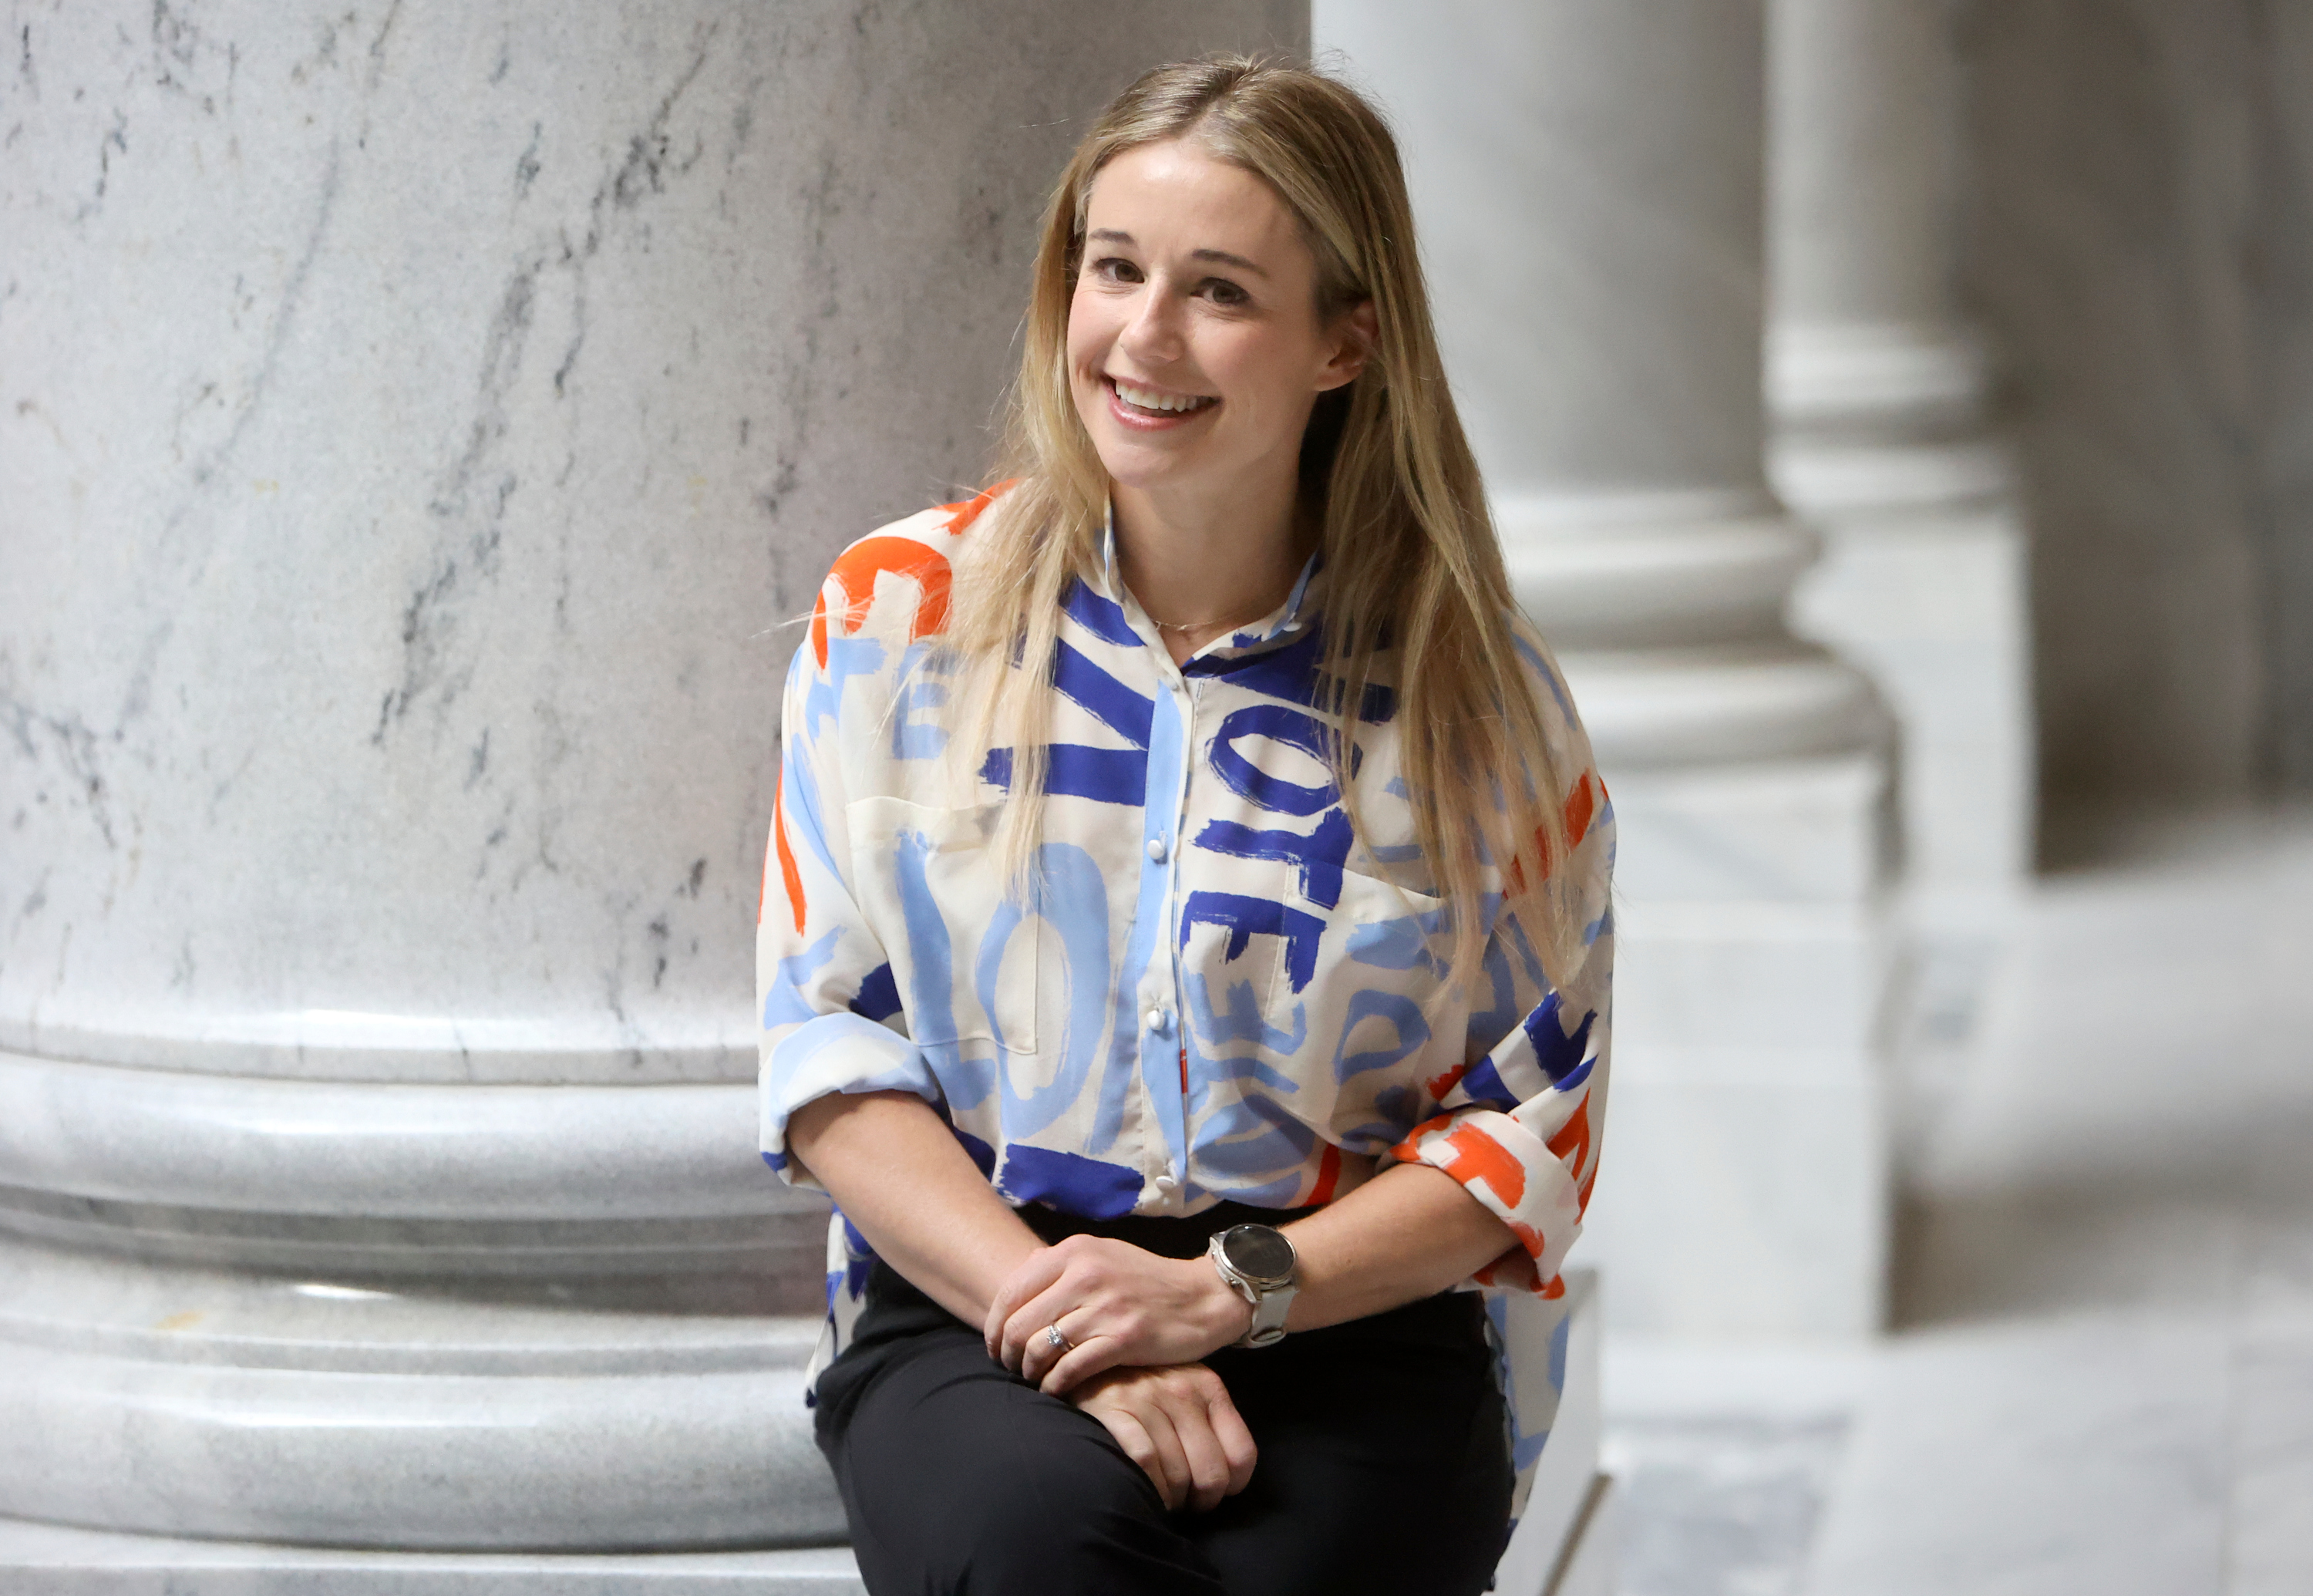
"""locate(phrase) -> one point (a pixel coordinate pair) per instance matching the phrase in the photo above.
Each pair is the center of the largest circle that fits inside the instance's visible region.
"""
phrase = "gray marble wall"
(419, 426)
(2139, 242)
(2284, 289)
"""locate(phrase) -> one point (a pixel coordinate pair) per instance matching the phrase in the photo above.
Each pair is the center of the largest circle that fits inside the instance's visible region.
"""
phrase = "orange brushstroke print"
(966, 511)
(1581, 809)
(1329, 1176)
(854, 576)
(1440, 1085)
(789, 876)
(1572, 1144)
(1479, 1157)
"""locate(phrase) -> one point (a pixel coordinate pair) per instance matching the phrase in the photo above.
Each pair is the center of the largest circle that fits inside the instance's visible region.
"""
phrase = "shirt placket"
(1164, 821)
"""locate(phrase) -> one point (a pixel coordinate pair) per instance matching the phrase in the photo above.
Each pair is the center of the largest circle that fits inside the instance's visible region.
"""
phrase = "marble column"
(1588, 183)
(1877, 390)
(423, 427)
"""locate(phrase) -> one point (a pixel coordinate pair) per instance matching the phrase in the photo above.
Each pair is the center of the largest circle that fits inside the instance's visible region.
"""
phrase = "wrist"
(1226, 1317)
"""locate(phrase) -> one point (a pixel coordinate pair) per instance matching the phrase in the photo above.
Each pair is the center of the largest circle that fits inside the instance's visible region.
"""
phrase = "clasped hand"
(1117, 1304)
(1136, 1324)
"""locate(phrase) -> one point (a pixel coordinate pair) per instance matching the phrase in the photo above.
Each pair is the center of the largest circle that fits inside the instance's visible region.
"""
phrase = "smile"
(1153, 402)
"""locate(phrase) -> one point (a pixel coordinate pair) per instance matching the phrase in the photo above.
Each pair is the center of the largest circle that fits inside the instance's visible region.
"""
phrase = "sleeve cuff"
(833, 1053)
(1519, 1178)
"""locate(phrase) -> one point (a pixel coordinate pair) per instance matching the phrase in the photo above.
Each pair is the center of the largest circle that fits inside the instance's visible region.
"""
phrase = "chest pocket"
(1370, 998)
(930, 885)
(1332, 973)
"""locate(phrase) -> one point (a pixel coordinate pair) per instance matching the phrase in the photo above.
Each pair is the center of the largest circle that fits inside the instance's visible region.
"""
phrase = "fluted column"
(1588, 181)
(422, 426)
(1882, 443)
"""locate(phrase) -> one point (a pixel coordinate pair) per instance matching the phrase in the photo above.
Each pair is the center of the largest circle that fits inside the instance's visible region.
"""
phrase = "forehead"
(1175, 198)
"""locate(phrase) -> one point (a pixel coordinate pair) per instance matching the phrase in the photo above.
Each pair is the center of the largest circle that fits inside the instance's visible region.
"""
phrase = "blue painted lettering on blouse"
(1234, 998)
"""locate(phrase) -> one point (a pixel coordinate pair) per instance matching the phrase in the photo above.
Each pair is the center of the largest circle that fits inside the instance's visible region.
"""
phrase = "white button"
(1160, 1022)
(1157, 848)
(1167, 1184)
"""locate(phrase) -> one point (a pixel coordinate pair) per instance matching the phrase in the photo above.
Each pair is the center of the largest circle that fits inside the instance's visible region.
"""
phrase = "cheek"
(1263, 375)
(1089, 333)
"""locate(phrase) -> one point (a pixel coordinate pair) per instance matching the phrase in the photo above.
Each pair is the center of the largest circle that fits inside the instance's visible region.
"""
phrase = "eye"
(1226, 293)
(1115, 268)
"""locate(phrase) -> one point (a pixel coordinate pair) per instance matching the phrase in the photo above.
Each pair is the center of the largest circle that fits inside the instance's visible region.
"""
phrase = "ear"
(1355, 333)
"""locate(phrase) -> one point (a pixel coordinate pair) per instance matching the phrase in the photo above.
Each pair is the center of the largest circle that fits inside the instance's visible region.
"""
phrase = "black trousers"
(1384, 1463)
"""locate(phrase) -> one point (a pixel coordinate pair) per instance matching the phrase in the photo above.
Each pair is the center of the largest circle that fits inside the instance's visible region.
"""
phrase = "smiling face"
(1194, 348)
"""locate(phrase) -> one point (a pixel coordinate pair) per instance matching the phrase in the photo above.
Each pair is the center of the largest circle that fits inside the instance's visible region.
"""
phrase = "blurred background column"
(1878, 391)
(1589, 179)
(422, 426)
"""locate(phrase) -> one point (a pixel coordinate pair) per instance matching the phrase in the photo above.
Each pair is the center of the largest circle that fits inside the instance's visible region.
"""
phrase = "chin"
(1131, 468)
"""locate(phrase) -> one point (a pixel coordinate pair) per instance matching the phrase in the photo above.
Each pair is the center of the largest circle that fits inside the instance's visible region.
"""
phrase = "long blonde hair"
(1411, 560)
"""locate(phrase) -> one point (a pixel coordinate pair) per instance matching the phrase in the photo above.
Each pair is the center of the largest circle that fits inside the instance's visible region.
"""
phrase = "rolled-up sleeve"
(830, 1007)
(1520, 1123)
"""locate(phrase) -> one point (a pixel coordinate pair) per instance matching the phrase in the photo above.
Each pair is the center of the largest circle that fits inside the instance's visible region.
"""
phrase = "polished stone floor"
(2101, 1378)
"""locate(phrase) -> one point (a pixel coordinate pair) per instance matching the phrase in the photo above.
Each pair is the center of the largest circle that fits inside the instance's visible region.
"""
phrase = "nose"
(1153, 332)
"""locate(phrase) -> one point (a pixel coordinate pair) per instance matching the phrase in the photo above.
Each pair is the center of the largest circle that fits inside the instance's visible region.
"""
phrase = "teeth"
(1144, 399)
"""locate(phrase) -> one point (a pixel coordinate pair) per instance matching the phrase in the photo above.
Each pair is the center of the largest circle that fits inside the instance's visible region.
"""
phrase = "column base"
(54, 1560)
(1931, 602)
(446, 1415)
(49, 1560)
(1745, 1184)
(1736, 1205)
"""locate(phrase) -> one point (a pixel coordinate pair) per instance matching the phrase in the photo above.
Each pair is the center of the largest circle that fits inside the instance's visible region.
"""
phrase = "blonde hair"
(1411, 560)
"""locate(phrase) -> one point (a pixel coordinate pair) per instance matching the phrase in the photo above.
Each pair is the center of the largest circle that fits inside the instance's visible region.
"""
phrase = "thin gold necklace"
(1185, 626)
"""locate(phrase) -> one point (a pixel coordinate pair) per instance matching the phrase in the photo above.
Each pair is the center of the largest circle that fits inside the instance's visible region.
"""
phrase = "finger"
(1022, 1345)
(1035, 1275)
(1080, 1363)
(1039, 1354)
(1174, 1483)
(1208, 1466)
(1065, 1293)
(1236, 1441)
(1133, 1435)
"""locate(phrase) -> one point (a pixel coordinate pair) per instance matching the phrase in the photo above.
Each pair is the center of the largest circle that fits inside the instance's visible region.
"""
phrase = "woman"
(1184, 949)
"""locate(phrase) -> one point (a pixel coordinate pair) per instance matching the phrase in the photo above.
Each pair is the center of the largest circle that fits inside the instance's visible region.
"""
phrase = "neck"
(1225, 557)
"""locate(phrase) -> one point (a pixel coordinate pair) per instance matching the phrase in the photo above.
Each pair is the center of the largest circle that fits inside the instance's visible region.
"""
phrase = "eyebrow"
(1219, 257)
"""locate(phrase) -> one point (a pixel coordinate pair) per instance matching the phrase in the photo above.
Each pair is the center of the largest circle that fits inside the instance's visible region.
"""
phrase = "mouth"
(1145, 406)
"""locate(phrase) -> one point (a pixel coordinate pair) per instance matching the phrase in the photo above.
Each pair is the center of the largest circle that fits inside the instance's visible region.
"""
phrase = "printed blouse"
(1220, 991)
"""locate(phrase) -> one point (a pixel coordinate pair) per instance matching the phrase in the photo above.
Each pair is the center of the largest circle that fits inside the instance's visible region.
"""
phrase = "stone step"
(56, 1560)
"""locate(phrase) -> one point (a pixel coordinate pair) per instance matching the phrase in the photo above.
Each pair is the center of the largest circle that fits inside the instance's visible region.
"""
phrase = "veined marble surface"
(419, 426)
(160, 1401)
(53, 1560)
(366, 1177)
(1591, 225)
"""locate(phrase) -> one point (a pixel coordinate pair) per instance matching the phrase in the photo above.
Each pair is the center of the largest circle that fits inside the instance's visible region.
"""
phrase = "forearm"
(906, 1184)
(1410, 1233)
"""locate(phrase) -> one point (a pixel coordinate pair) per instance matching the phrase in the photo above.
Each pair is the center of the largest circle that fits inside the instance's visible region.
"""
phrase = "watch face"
(1258, 1252)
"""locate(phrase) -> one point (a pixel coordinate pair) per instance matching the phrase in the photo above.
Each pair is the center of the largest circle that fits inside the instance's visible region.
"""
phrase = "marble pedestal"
(1883, 451)
(364, 1314)
(1563, 1547)
(1747, 1194)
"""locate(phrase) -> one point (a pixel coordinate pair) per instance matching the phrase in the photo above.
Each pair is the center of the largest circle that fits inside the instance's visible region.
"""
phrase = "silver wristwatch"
(1257, 1262)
